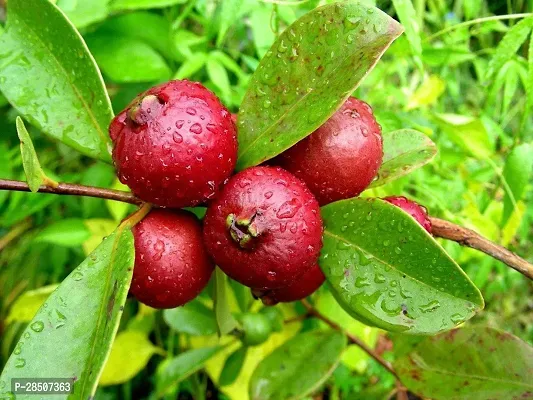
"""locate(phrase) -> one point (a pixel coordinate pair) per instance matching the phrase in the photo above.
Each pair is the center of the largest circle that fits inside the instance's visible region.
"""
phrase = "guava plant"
(272, 202)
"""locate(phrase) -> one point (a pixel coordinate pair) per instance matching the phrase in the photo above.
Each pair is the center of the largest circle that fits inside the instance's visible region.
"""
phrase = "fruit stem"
(352, 338)
(137, 216)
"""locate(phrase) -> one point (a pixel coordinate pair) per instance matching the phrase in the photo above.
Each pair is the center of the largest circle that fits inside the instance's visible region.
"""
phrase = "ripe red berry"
(264, 229)
(174, 145)
(341, 158)
(302, 287)
(171, 263)
(418, 212)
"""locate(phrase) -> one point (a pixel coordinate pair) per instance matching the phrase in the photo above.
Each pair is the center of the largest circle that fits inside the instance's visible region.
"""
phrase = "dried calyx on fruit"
(418, 212)
(341, 158)
(174, 145)
(171, 264)
(302, 287)
(264, 228)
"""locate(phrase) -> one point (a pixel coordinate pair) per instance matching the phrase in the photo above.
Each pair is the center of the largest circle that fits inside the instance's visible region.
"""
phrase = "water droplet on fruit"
(177, 137)
(294, 227)
(269, 194)
(245, 182)
(196, 128)
(211, 128)
(190, 111)
(179, 123)
(271, 276)
(289, 209)
(282, 227)
(37, 326)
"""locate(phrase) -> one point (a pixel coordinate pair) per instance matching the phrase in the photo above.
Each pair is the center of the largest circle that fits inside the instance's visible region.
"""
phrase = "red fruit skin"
(171, 263)
(287, 221)
(341, 158)
(418, 212)
(302, 287)
(182, 150)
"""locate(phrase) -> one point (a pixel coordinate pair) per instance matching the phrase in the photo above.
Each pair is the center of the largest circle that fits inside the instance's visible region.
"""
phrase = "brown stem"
(467, 237)
(73, 189)
(352, 338)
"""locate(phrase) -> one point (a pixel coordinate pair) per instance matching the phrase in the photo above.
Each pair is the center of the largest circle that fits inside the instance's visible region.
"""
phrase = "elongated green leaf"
(225, 320)
(469, 364)
(529, 86)
(67, 232)
(27, 305)
(232, 367)
(386, 270)
(193, 318)
(407, 15)
(34, 173)
(218, 75)
(509, 45)
(517, 173)
(129, 355)
(143, 4)
(403, 151)
(298, 367)
(84, 13)
(468, 133)
(71, 335)
(307, 74)
(125, 59)
(49, 76)
(176, 369)
(192, 65)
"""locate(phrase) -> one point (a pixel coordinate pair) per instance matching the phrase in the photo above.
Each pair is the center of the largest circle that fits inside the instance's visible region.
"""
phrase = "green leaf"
(49, 76)
(224, 318)
(262, 32)
(129, 355)
(298, 367)
(125, 59)
(34, 173)
(218, 75)
(70, 232)
(404, 150)
(83, 13)
(509, 45)
(193, 318)
(27, 305)
(225, 17)
(529, 86)
(118, 209)
(468, 133)
(155, 29)
(407, 16)
(176, 369)
(72, 333)
(119, 5)
(469, 364)
(517, 173)
(307, 75)
(191, 65)
(427, 93)
(232, 367)
(386, 270)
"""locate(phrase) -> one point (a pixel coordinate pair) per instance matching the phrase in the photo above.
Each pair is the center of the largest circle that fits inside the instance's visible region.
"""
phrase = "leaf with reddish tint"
(307, 75)
(469, 364)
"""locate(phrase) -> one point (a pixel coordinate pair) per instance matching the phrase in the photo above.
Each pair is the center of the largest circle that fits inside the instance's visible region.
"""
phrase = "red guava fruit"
(418, 212)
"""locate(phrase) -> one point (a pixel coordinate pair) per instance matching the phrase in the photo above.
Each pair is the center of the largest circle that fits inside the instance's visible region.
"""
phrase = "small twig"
(352, 338)
(467, 237)
(73, 189)
(475, 22)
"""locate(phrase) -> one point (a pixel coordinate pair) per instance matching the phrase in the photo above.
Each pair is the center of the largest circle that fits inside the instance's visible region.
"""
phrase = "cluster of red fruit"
(176, 146)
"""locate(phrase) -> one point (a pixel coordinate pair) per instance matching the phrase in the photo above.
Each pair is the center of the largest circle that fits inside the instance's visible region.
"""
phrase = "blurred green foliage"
(468, 86)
